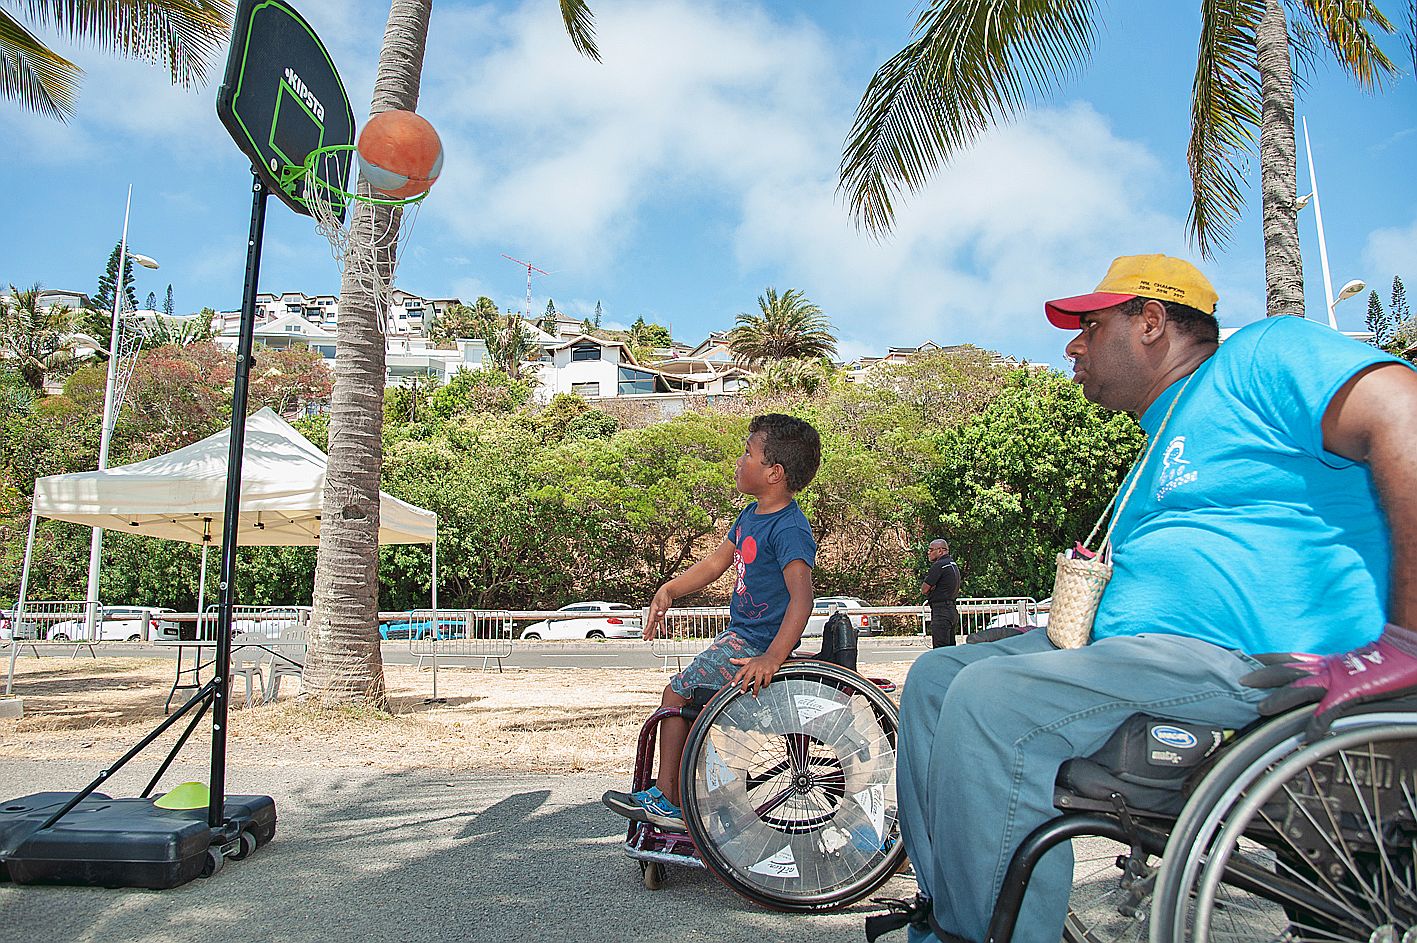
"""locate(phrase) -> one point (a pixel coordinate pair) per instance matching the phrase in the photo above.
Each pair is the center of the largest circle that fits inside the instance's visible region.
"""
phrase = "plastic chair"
(246, 663)
(290, 662)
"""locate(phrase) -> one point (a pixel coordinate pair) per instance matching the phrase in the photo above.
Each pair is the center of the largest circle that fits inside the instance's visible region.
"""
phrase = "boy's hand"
(658, 606)
(754, 673)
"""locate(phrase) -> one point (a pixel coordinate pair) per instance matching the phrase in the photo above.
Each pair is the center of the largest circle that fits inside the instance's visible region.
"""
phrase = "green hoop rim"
(306, 171)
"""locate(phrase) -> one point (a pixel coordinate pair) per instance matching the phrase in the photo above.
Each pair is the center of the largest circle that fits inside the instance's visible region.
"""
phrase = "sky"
(696, 166)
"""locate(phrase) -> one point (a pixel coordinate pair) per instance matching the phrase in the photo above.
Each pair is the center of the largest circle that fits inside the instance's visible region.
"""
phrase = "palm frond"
(1343, 24)
(972, 65)
(33, 74)
(1225, 117)
(580, 26)
(180, 35)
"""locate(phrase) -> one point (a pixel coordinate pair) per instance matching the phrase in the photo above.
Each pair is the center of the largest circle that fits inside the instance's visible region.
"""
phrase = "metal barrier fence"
(269, 621)
(688, 631)
(64, 620)
(983, 613)
(444, 634)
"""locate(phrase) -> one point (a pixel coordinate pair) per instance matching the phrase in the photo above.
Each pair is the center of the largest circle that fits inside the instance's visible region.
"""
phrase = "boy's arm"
(691, 580)
(755, 673)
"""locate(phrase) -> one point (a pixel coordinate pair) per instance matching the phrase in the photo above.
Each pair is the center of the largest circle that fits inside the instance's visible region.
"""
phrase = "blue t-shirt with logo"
(762, 545)
(1243, 530)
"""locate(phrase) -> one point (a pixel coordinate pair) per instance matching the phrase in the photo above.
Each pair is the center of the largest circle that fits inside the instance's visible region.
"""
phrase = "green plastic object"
(185, 796)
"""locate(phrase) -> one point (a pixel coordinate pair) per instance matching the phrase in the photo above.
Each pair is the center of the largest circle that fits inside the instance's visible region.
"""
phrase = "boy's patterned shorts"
(711, 667)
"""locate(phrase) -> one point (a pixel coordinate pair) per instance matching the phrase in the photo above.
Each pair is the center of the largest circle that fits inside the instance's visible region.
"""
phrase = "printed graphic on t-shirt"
(1176, 469)
(744, 553)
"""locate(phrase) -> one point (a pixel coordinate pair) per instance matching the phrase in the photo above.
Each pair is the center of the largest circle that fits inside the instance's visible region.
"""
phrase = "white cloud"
(721, 111)
(1024, 215)
(1390, 252)
(552, 150)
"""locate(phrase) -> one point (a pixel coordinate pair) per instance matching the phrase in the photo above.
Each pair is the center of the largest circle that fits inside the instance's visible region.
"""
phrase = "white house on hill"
(596, 369)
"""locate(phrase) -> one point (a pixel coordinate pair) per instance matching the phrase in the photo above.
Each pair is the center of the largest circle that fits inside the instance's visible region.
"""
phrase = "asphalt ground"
(418, 856)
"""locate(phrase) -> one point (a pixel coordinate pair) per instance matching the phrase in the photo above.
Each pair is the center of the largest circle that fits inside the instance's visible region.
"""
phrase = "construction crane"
(529, 269)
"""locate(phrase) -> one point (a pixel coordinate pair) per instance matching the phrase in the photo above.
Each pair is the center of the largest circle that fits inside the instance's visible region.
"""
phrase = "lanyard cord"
(1135, 474)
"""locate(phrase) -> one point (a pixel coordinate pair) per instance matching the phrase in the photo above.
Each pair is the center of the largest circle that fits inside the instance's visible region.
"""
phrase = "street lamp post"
(96, 541)
(1349, 289)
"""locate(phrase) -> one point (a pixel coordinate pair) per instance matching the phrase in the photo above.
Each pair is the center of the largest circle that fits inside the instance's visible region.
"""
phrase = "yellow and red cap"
(1134, 276)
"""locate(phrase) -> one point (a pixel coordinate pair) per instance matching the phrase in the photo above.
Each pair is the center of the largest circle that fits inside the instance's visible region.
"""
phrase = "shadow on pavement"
(412, 856)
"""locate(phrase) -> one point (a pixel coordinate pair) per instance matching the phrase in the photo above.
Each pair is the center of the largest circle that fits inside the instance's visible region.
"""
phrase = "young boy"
(771, 549)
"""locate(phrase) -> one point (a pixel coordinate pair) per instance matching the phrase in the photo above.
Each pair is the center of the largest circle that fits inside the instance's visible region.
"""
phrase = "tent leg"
(435, 579)
(202, 587)
(20, 604)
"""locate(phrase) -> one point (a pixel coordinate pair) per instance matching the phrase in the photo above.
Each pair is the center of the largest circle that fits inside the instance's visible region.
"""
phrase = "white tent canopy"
(182, 495)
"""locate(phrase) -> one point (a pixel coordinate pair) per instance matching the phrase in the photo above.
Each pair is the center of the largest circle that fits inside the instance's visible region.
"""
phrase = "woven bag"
(1080, 581)
(1077, 591)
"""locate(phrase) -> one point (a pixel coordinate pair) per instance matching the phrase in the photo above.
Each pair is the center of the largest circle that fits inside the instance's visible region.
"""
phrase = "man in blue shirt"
(1277, 512)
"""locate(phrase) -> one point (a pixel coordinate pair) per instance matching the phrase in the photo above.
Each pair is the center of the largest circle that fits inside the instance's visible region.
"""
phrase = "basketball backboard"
(282, 98)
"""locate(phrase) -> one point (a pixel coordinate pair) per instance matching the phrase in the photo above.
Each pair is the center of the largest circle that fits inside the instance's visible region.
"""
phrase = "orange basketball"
(400, 154)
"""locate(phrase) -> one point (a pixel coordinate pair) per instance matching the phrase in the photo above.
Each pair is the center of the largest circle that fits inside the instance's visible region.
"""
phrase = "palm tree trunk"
(1283, 267)
(344, 664)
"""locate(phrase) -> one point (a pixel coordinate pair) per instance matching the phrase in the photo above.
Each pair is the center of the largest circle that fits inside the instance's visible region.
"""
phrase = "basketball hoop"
(369, 254)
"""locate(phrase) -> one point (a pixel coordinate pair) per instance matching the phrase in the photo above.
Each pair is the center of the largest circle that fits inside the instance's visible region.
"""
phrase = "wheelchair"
(1268, 838)
(788, 797)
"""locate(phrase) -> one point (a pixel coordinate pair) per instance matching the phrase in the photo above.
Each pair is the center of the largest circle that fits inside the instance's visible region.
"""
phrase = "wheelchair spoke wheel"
(790, 795)
(1314, 843)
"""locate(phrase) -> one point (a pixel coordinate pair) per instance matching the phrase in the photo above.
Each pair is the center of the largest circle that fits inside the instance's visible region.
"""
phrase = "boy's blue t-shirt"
(1243, 530)
(763, 545)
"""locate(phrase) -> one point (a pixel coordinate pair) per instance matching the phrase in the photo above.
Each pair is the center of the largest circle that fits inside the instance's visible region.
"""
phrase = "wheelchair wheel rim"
(790, 796)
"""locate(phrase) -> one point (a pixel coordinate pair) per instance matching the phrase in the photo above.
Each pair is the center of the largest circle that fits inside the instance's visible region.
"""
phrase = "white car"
(602, 620)
(1039, 620)
(116, 624)
(865, 624)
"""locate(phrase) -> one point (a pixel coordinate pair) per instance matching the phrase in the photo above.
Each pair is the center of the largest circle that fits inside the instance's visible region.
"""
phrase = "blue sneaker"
(660, 811)
(631, 804)
(647, 805)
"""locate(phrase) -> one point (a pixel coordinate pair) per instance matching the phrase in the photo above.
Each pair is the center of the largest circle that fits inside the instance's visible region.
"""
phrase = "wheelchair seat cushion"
(1147, 762)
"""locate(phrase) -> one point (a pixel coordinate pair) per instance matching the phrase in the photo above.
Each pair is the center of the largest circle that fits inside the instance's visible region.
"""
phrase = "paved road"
(421, 857)
(607, 654)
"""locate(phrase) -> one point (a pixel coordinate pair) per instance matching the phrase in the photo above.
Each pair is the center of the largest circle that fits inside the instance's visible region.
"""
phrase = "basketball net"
(369, 254)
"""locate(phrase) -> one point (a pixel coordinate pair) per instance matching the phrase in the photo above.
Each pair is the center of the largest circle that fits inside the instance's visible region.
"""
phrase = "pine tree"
(1379, 322)
(1404, 331)
(167, 307)
(150, 303)
(103, 297)
(548, 320)
(597, 315)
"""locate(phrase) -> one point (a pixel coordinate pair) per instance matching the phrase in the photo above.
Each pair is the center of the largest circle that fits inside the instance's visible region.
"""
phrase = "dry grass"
(548, 720)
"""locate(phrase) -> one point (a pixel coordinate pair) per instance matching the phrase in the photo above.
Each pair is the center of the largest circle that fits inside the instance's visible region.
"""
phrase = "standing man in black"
(940, 588)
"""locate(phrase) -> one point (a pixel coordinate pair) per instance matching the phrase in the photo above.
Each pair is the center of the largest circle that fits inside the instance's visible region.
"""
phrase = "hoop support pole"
(216, 811)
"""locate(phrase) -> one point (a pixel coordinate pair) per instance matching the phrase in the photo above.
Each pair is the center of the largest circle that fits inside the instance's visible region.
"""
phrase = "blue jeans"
(982, 737)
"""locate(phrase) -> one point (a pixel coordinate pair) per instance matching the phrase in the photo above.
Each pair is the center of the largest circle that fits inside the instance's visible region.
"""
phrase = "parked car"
(421, 628)
(1037, 621)
(116, 624)
(612, 620)
(270, 622)
(27, 629)
(866, 624)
